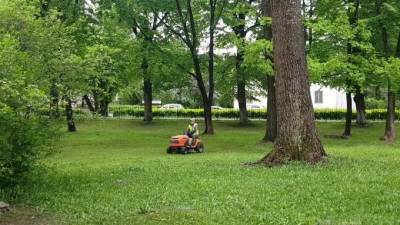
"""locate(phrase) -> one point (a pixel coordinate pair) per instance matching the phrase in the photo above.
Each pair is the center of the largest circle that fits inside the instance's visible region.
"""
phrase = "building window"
(319, 97)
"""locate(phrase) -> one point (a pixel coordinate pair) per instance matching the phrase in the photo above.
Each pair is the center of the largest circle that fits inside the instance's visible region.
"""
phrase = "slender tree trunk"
(271, 132)
(240, 77)
(359, 99)
(271, 128)
(96, 101)
(190, 38)
(349, 115)
(69, 115)
(353, 19)
(104, 108)
(207, 110)
(390, 133)
(86, 99)
(297, 135)
(390, 129)
(241, 97)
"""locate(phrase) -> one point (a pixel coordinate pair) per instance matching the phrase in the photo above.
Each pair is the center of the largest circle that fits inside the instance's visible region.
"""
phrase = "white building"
(322, 98)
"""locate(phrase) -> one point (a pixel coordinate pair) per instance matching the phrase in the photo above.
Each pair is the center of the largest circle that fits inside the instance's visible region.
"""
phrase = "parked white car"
(172, 106)
(216, 107)
(253, 106)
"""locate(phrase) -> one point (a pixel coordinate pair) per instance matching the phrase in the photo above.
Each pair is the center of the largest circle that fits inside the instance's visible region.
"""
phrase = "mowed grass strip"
(118, 172)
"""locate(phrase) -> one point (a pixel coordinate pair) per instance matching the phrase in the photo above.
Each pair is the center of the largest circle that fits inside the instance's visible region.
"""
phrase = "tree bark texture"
(349, 115)
(297, 138)
(271, 126)
(359, 99)
(272, 129)
(70, 115)
(104, 108)
(96, 101)
(147, 93)
(240, 77)
(89, 103)
(390, 129)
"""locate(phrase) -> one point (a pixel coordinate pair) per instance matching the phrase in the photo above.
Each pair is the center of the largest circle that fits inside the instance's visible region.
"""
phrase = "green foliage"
(22, 142)
(24, 134)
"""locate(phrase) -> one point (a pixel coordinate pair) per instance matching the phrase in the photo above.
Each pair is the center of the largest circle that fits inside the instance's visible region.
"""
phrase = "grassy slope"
(117, 172)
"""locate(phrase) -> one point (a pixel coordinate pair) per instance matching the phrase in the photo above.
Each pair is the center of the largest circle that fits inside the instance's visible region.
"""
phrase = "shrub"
(22, 142)
(320, 114)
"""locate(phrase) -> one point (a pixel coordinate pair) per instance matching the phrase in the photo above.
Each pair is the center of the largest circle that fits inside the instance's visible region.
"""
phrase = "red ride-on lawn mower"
(180, 144)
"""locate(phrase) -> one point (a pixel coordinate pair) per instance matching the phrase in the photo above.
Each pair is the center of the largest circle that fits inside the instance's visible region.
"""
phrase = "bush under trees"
(320, 114)
(22, 142)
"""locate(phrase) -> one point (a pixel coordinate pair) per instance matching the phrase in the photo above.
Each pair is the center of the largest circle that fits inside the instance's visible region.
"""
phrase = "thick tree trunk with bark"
(359, 99)
(147, 91)
(297, 135)
(148, 100)
(271, 128)
(390, 129)
(349, 115)
(69, 113)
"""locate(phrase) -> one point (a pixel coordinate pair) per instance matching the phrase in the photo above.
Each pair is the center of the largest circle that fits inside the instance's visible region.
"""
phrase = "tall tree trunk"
(148, 100)
(104, 108)
(208, 114)
(359, 99)
(297, 135)
(147, 90)
(353, 19)
(240, 31)
(86, 99)
(271, 128)
(390, 129)
(241, 97)
(349, 115)
(191, 40)
(96, 101)
(209, 129)
(271, 131)
(69, 113)
(390, 133)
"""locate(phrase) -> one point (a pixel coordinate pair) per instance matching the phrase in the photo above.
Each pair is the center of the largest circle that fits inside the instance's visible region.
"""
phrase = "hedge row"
(320, 114)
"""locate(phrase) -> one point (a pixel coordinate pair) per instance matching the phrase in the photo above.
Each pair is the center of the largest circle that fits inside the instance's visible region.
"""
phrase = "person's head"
(192, 121)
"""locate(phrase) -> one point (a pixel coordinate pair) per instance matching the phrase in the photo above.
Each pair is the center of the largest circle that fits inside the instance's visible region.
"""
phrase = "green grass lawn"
(117, 172)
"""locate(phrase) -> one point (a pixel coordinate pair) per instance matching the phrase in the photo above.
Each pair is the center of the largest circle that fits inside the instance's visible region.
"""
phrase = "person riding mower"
(189, 142)
(192, 131)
